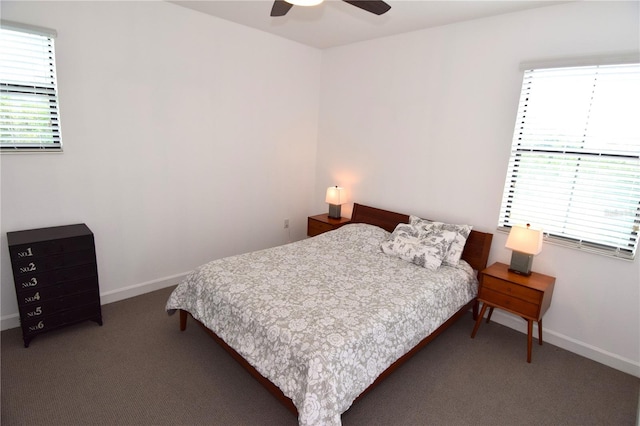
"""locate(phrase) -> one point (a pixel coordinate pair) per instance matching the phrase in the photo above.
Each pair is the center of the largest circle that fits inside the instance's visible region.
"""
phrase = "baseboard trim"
(572, 345)
(140, 289)
(13, 320)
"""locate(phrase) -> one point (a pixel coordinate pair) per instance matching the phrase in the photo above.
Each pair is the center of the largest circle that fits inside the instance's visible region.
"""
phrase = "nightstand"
(526, 296)
(316, 225)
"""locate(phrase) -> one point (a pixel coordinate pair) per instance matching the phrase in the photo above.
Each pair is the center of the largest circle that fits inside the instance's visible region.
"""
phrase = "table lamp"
(525, 243)
(335, 198)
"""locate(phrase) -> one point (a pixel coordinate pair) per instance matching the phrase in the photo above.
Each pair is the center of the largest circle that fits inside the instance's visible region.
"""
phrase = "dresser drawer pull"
(25, 253)
(36, 327)
(30, 283)
(31, 267)
(31, 299)
(35, 313)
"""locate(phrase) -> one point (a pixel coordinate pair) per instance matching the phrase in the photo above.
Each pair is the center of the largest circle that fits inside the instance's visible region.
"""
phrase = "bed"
(321, 321)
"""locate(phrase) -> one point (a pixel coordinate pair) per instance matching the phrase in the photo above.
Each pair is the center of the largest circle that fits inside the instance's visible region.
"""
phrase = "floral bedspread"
(321, 318)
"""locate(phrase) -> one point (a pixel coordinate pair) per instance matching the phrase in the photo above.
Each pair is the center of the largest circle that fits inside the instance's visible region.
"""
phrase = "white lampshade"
(335, 195)
(304, 2)
(525, 243)
(525, 239)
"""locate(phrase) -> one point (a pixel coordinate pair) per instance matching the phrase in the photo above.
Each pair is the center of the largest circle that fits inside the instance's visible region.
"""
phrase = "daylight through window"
(29, 114)
(574, 169)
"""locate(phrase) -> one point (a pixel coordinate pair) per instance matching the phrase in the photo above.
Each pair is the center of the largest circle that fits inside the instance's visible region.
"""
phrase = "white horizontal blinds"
(29, 114)
(575, 160)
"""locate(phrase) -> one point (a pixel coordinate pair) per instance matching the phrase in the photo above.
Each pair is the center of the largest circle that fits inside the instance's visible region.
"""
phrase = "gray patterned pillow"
(457, 246)
(420, 245)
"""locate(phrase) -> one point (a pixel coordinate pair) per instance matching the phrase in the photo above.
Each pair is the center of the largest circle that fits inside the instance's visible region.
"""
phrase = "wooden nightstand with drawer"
(526, 296)
(321, 223)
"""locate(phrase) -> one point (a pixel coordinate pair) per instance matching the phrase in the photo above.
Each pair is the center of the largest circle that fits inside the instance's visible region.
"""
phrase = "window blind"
(574, 169)
(29, 112)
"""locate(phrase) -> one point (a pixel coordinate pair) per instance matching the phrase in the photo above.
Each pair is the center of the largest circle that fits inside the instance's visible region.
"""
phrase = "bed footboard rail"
(273, 389)
(286, 401)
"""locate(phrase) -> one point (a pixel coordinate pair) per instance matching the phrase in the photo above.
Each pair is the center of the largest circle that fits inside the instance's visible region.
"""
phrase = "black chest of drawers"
(56, 278)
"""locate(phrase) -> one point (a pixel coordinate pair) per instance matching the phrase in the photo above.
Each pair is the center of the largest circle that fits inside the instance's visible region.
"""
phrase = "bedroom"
(207, 166)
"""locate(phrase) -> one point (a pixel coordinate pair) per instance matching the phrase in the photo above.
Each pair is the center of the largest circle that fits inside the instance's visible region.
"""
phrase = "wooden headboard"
(476, 250)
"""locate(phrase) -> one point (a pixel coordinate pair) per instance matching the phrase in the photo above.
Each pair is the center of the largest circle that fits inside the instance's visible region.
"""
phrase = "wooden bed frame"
(476, 253)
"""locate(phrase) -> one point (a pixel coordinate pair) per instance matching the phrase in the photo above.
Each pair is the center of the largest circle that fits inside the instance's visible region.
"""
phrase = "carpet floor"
(139, 369)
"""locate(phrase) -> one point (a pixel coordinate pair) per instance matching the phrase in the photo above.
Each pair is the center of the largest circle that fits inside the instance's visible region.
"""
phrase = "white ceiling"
(335, 23)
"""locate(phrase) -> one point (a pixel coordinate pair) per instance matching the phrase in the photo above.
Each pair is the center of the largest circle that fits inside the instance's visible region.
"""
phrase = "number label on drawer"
(31, 283)
(29, 268)
(25, 253)
(33, 298)
(36, 312)
(38, 326)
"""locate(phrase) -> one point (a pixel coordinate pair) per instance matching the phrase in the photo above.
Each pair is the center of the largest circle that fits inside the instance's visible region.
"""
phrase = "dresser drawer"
(47, 248)
(35, 326)
(525, 293)
(45, 279)
(55, 276)
(510, 303)
(42, 264)
(45, 308)
(39, 295)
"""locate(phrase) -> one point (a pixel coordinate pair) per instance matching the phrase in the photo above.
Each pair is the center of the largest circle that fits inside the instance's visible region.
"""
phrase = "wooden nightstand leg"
(489, 316)
(529, 339)
(540, 331)
(479, 320)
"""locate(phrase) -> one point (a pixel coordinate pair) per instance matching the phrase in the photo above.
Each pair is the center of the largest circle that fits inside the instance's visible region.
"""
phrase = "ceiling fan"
(281, 7)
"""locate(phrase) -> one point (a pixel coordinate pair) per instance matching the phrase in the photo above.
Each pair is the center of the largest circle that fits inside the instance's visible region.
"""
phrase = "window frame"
(43, 88)
(518, 153)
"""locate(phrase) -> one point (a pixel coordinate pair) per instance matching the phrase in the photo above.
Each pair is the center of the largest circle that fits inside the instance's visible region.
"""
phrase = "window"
(574, 169)
(29, 114)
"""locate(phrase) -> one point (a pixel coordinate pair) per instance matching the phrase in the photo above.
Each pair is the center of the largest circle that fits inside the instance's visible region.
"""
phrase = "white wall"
(181, 145)
(422, 123)
(186, 138)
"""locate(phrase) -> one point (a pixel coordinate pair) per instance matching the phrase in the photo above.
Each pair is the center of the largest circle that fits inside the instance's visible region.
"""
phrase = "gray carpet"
(139, 369)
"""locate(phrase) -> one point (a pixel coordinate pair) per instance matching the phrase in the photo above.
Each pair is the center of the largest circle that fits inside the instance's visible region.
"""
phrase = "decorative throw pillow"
(416, 245)
(457, 246)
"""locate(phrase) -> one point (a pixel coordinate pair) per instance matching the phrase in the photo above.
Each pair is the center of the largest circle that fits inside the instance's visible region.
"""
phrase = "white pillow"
(422, 246)
(457, 246)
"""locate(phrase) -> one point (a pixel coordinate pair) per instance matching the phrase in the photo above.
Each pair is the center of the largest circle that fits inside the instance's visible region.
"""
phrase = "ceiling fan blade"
(280, 8)
(374, 6)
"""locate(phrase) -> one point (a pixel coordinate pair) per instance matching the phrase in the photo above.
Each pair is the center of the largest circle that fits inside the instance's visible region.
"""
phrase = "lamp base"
(334, 211)
(521, 263)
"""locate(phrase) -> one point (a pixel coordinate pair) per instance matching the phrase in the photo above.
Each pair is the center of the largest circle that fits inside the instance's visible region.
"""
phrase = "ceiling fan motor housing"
(378, 7)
